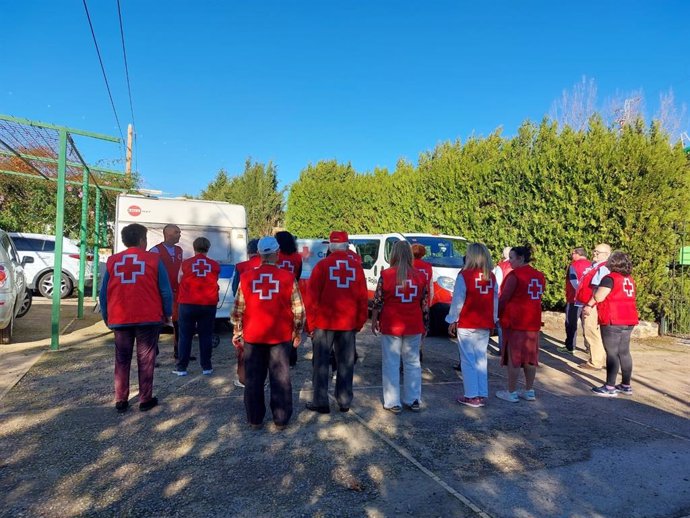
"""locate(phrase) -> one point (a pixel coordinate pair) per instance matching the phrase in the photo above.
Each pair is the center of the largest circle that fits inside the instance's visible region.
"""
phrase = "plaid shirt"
(297, 311)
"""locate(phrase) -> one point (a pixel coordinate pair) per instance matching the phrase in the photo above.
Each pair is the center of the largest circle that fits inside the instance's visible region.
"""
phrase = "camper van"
(444, 253)
(223, 224)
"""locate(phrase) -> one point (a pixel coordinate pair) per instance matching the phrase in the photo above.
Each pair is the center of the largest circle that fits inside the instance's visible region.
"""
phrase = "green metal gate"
(677, 318)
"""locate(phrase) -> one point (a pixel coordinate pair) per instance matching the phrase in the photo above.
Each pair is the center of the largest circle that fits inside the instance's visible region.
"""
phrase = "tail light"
(89, 257)
(3, 275)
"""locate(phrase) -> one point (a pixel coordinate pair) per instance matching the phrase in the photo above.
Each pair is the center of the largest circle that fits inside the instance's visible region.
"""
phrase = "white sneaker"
(527, 395)
(238, 384)
(179, 373)
(511, 397)
(207, 372)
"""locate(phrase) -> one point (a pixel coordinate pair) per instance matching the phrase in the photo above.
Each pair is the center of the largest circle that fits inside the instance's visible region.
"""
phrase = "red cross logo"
(535, 289)
(201, 267)
(483, 285)
(287, 265)
(426, 274)
(265, 286)
(342, 274)
(305, 253)
(129, 268)
(628, 287)
(406, 291)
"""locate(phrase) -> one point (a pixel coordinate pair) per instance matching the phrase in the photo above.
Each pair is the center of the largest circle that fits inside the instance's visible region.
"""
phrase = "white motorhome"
(223, 224)
(445, 254)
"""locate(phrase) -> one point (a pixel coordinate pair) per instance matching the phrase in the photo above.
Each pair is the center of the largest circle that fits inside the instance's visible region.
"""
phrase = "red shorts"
(523, 346)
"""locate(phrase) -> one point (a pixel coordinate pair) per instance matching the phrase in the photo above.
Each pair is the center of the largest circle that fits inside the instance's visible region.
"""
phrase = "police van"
(223, 224)
(445, 253)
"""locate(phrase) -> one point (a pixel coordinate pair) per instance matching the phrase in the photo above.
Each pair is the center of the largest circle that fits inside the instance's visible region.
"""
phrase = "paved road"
(65, 452)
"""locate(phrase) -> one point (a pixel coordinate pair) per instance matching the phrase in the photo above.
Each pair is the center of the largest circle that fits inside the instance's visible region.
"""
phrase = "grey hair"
(336, 247)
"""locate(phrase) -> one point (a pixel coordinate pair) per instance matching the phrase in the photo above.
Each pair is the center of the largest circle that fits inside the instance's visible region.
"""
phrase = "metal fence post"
(59, 234)
(96, 244)
(82, 241)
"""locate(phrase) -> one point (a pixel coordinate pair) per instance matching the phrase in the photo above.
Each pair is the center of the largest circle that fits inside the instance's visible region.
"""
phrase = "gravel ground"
(65, 452)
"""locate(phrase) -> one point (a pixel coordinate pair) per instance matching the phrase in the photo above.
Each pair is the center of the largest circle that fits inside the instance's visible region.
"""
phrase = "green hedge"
(554, 189)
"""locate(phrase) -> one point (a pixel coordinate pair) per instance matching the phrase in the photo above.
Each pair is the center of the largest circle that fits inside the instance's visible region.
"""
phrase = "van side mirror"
(27, 259)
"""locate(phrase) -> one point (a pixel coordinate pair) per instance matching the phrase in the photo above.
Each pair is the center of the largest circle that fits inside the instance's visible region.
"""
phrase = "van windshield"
(446, 252)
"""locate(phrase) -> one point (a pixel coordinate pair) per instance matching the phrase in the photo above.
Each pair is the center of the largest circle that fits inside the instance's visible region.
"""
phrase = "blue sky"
(295, 82)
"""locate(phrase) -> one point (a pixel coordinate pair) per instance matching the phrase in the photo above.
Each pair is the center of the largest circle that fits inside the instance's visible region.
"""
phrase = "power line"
(124, 53)
(105, 77)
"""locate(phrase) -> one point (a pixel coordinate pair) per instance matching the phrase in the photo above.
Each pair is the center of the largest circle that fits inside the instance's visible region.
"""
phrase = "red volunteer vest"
(199, 283)
(585, 290)
(249, 264)
(580, 266)
(505, 268)
(133, 294)
(619, 308)
(172, 265)
(478, 310)
(426, 269)
(337, 294)
(402, 303)
(268, 317)
(523, 311)
(290, 262)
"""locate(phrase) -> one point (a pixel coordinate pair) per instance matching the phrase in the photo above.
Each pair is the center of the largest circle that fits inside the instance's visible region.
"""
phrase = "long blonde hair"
(401, 258)
(478, 257)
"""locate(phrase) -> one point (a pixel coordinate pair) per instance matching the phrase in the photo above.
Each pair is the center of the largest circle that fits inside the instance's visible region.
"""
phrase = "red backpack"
(585, 290)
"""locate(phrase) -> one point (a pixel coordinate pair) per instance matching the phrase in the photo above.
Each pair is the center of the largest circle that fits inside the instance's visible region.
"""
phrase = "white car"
(15, 299)
(39, 274)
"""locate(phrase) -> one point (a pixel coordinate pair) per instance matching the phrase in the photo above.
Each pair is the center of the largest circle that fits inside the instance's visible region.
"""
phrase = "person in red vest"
(171, 255)
(268, 318)
(501, 271)
(616, 301)
(135, 299)
(574, 273)
(197, 298)
(472, 315)
(419, 251)
(519, 311)
(590, 323)
(337, 311)
(291, 260)
(253, 261)
(401, 314)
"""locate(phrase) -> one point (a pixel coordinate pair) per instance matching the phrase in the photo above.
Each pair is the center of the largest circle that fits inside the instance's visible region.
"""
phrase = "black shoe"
(320, 409)
(256, 426)
(344, 408)
(149, 404)
(121, 406)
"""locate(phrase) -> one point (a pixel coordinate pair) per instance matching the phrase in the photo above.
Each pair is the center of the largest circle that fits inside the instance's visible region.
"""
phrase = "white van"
(444, 253)
(15, 299)
(223, 224)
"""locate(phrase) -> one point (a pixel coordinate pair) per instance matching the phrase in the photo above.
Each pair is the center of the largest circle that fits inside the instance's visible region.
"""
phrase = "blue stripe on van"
(227, 271)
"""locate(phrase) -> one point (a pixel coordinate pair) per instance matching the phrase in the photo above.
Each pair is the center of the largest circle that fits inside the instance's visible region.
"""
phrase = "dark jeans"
(147, 340)
(200, 319)
(274, 359)
(240, 364)
(617, 344)
(572, 317)
(343, 344)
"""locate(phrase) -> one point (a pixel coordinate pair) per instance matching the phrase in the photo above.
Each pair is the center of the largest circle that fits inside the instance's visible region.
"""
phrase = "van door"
(370, 249)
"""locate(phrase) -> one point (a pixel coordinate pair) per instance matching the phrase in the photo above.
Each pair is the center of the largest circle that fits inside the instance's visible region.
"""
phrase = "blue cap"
(268, 245)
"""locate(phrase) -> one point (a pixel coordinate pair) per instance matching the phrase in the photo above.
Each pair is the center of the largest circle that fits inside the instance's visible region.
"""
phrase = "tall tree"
(257, 189)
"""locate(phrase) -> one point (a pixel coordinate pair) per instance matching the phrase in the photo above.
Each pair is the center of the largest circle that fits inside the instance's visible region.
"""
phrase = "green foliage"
(553, 188)
(257, 189)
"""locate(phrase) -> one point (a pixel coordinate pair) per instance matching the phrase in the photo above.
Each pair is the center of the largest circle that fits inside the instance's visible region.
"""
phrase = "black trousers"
(572, 317)
(274, 359)
(343, 344)
(617, 344)
(194, 318)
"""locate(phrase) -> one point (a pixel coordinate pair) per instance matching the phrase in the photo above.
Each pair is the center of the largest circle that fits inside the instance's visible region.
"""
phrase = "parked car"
(39, 274)
(15, 298)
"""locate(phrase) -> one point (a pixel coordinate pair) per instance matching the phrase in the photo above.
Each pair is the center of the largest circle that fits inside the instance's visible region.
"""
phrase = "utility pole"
(128, 162)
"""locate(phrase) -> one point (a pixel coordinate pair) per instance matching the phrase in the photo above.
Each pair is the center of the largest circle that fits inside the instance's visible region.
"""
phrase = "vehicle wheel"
(6, 334)
(26, 303)
(45, 285)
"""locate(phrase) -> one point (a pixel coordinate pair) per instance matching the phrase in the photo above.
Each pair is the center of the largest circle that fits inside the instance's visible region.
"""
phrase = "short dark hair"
(133, 234)
(201, 244)
(253, 246)
(580, 251)
(286, 241)
(524, 251)
(619, 262)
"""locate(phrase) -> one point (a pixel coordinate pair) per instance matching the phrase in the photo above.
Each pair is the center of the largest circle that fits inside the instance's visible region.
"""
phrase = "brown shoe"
(588, 366)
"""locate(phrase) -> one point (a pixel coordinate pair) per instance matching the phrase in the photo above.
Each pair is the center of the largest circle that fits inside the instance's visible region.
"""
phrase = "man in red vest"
(135, 300)
(268, 318)
(573, 308)
(253, 261)
(590, 320)
(337, 311)
(171, 256)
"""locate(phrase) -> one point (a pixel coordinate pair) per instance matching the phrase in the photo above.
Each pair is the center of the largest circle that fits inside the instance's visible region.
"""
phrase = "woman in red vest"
(401, 313)
(197, 298)
(519, 311)
(615, 299)
(472, 316)
(289, 259)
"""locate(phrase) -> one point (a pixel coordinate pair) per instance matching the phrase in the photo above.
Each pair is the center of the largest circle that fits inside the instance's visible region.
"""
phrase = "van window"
(368, 250)
(28, 244)
(389, 246)
(48, 245)
(442, 251)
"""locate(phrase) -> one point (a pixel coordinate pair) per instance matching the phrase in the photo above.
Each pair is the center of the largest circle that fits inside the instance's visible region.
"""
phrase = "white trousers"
(392, 347)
